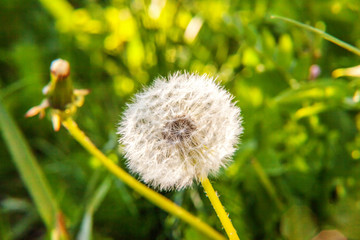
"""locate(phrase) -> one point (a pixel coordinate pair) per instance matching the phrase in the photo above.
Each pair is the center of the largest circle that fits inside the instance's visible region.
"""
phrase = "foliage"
(297, 169)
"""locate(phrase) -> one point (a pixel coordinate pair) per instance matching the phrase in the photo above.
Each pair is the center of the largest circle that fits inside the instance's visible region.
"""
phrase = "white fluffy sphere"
(180, 130)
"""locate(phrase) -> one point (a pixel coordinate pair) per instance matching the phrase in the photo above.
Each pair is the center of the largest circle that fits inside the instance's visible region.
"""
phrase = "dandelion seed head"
(180, 130)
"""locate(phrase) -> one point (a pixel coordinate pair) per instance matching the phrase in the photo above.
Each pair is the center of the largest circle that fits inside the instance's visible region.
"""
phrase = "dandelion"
(61, 97)
(180, 130)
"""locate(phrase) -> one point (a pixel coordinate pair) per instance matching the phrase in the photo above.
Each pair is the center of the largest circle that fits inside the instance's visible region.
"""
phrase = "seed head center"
(179, 129)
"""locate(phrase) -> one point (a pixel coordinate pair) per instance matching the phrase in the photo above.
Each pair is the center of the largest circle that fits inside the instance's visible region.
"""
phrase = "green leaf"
(29, 169)
(334, 91)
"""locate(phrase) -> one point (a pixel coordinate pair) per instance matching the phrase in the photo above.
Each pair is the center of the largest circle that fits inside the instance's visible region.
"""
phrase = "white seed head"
(180, 130)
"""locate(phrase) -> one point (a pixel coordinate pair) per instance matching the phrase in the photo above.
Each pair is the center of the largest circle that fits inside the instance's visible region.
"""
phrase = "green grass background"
(297, 169)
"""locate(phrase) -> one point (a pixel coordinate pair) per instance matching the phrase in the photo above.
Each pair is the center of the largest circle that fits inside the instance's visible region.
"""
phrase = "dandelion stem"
(154, 197)
(219, 209)
(321, 33)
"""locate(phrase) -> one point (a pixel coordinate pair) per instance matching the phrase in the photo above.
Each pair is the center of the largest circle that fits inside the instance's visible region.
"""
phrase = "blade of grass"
(29, 170)
(269, 187)
(86, 225)
(29, 216)
(321, 33)
(5, 230)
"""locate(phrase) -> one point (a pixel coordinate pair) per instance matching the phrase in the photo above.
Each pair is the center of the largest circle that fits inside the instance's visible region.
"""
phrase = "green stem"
(321, 33)
(219, 209)
(154, 197)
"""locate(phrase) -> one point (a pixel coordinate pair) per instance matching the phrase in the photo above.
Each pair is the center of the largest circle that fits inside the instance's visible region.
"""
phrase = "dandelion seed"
(179, 131)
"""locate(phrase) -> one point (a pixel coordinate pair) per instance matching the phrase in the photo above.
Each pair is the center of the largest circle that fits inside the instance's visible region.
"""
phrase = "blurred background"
(297, 170)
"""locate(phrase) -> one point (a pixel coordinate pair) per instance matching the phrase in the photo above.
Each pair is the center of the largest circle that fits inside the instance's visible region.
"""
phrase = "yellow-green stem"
(154, 197)
(219, 209)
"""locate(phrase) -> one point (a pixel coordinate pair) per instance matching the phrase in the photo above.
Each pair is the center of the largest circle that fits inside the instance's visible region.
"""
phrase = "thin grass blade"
(98, 197)
(321, 33)
(29, 169)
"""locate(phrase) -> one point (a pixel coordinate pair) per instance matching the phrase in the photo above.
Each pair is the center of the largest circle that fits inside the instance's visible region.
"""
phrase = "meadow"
(296, 173)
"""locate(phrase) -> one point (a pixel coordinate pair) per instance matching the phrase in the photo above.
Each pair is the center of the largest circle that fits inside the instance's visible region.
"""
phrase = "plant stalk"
(219, 209)
(154, 197)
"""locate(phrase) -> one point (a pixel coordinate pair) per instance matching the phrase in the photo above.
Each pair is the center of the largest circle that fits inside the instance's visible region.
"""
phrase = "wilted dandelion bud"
(180, 130)
(61, 97)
